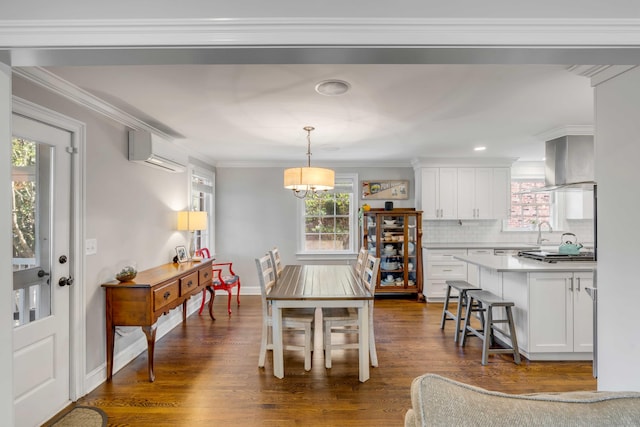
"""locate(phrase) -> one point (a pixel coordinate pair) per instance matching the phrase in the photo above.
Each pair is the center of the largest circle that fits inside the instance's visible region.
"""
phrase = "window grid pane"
(328, 221)
(527, 210)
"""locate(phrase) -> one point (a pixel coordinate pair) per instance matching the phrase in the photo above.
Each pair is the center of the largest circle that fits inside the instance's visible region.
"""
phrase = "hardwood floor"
(207, 374)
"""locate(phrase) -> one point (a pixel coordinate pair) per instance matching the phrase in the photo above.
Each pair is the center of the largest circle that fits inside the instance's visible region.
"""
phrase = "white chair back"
(370, 272)
(362, 257)
(276, 261)
(267, 278)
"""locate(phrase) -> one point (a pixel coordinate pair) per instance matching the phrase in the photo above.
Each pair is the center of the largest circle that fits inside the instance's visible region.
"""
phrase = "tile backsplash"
(491, 231)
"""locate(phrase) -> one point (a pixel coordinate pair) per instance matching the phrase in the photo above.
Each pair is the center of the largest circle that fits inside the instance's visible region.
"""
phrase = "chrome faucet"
(540, 224)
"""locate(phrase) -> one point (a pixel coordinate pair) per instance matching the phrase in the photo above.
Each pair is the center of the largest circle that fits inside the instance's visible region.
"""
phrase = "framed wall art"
(386, 189)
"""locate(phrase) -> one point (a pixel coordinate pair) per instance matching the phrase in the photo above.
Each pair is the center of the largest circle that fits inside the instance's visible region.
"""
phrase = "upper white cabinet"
(466, 193)
(579, 204)
(475, 193)
(439, 193)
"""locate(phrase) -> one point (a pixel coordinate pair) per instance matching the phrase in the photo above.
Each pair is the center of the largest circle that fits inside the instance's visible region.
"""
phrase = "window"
(202, 185)
(528, 209)
(328, 224)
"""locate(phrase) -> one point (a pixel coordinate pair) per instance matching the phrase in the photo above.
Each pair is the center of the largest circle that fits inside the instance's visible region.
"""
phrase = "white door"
(41, 180)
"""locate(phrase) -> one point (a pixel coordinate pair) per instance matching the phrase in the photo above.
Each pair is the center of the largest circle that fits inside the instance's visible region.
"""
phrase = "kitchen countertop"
(480, 245)
(524, 265)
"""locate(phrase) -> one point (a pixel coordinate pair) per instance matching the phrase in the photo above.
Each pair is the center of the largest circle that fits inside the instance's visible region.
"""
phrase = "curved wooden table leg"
(213, 295)
(150, 332)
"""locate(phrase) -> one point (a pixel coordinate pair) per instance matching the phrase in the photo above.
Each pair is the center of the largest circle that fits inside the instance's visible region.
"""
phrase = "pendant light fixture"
(307, 181)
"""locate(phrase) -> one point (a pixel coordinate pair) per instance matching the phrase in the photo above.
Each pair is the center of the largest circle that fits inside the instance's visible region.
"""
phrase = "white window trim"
(211, 219)
(303, 255)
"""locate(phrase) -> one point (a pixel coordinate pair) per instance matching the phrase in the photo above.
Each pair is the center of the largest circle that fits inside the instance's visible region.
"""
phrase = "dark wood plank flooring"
(207, 374)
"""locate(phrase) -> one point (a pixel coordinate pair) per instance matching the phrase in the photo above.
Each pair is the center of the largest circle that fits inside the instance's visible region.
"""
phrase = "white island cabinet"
(553, 313)
(560, 312)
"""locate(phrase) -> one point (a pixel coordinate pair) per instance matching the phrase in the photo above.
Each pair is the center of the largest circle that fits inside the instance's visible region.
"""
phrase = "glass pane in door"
(31, 218)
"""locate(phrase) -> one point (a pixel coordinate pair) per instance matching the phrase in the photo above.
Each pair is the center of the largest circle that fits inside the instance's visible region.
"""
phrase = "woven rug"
(83, 416)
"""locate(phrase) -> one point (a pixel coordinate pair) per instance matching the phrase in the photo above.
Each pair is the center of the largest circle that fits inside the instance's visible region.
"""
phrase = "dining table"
(320, 286)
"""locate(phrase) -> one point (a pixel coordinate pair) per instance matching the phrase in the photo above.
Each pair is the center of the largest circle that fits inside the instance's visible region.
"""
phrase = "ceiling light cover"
(333, 87)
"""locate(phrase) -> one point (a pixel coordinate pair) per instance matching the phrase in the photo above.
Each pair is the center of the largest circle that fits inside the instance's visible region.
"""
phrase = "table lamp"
(192, 221)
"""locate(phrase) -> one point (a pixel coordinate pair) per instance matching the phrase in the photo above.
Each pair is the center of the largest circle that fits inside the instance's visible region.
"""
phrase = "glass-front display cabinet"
(395, 236)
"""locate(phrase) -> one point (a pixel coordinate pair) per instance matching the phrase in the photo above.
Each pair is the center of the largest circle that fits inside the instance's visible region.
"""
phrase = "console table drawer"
(205, 275)
(165, 295)
(189, 283)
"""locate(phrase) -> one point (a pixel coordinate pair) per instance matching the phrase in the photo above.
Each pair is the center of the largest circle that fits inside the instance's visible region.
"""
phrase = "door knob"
(65, 281)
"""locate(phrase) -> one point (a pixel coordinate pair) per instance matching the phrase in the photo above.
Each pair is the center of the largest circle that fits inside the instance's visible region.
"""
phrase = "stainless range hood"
(569, 163)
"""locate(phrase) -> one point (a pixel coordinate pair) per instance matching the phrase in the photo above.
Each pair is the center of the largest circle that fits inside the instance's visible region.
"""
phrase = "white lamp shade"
(192, 220)
(308, 178)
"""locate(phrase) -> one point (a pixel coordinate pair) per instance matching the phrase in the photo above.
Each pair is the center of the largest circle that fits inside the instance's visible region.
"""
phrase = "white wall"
(254, 213)
(130, 210)
(617, 173)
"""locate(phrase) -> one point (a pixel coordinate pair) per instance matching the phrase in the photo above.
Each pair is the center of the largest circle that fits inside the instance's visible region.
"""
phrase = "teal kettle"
(569, 245)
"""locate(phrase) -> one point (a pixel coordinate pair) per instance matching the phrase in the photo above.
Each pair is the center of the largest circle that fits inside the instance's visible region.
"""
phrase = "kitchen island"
(553, 313)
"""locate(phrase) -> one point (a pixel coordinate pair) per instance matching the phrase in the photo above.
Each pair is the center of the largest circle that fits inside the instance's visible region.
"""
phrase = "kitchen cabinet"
(465, 193)
(578, 204)
(560, 312)
(439, 193)
(483, 193)
(440, 266)
(395, 236)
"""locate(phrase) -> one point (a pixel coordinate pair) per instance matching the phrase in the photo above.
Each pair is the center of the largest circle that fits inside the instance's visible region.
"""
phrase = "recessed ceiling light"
(479, 148)
(332, 87)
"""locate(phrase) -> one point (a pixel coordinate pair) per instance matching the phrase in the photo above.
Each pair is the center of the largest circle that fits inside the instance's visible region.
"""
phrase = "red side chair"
(224, 279)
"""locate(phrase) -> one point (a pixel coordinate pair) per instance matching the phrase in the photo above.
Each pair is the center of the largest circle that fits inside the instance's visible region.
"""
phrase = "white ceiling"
(393, 113)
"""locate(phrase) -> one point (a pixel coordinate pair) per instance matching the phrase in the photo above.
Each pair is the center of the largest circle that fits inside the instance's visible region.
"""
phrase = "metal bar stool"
(488, 301)
(462, 287)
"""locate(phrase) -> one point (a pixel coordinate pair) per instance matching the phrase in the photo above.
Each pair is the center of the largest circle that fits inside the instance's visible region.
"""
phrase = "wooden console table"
(153, 292)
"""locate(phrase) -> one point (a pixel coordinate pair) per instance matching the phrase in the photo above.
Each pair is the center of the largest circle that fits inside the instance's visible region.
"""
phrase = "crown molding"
(326, 164)
(59, 86)
(496, 162)
(560, 131)
(559, 32)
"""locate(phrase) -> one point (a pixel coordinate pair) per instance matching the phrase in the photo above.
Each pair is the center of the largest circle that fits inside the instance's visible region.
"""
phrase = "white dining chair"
(362, 257)
(294, 320)
(345, 321)
(276, 261)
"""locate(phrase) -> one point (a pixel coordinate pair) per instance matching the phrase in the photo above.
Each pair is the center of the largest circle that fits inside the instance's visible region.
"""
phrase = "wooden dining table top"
(323, 282)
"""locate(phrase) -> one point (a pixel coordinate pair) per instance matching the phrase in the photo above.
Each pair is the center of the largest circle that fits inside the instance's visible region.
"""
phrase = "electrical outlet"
(90, 246)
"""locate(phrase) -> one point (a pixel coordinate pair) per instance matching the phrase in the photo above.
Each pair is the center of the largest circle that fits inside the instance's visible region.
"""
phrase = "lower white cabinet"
(560, 313)
(440, 266)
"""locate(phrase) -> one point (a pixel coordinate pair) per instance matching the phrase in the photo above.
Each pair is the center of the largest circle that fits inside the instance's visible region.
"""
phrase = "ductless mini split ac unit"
(152, 150)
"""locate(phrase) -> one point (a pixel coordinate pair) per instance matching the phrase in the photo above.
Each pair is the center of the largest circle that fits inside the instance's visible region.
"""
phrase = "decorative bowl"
(389, 222)
(128, 272)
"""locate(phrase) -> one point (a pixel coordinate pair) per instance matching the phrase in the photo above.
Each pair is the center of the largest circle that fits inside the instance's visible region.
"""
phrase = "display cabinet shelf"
(395, 236)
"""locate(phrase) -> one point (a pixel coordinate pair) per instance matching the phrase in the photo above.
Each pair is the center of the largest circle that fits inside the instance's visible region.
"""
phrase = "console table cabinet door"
(130, 307)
